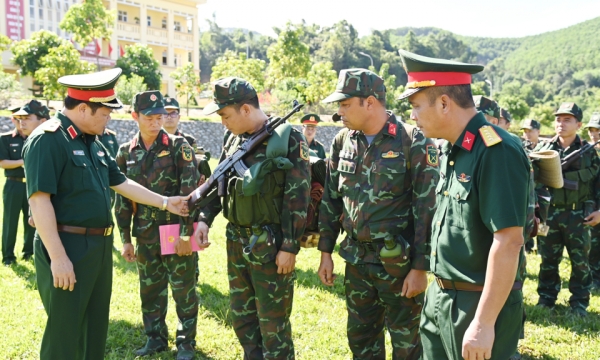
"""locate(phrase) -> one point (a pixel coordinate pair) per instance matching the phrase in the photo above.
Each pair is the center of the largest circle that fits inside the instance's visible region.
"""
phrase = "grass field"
(318, 319)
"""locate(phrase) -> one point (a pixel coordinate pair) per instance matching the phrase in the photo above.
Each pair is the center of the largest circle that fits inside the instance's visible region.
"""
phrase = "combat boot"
(185, 352)
(152, 346)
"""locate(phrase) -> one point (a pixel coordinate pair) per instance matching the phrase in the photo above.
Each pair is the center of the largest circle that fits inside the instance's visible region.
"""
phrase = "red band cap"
(439, 78)
(86, 95)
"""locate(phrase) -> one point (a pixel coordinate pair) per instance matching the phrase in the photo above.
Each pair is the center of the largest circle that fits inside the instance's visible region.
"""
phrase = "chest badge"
(390, 155)
(463, 178)
(100, 153)
(78, 152)
(163, 153)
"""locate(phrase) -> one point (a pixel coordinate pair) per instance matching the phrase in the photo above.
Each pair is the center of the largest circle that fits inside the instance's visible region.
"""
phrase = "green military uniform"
(379, 188)
(277, 199)
(479, 193)
(109, 140)
(594, 259)
(76, 171)
(166, 167)
(566, 217)
(315, 145)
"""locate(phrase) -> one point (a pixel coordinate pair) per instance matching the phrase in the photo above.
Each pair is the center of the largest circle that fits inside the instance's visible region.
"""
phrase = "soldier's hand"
(30, 221)
(414, 283)
(183, 248)
(326, 269)
(592, 219)
(285, 262)
(478, 341)
(128, 252)
(201, 235)
(63, 273)
(178, 205)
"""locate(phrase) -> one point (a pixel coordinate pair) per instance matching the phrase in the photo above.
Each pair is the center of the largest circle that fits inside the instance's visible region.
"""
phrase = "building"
(168, 27)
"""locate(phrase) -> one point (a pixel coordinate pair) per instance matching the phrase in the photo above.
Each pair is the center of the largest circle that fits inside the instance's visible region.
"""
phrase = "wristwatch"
(165, 202)
(185, 238)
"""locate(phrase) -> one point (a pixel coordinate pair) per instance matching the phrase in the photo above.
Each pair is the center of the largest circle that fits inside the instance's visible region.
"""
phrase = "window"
(31, 2)
(190, 56)
(177, 26)
(32, 27)
(58, 5)
(189, 25)
(149, 19)
(41, 3)
(164, 23)
(164, 58)
(122, 16)
(32, 12)
(49, 4)
(41, 27)
(41, 13)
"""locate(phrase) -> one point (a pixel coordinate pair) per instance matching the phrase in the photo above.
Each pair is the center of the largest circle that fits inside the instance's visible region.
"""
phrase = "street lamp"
(367, 55)
(491, 88)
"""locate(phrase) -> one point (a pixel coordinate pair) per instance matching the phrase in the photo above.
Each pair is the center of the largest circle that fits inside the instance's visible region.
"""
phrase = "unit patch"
(432, 155)
(304, 153)
(187, 153)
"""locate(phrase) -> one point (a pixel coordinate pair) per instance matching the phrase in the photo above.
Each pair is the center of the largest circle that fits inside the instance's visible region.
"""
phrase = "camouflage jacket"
(292, 206)
(190, 139)
(167, 168)
(375, 190)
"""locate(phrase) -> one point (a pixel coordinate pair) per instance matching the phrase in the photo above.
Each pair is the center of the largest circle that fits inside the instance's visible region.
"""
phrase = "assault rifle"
(235, 162)
(570, 159)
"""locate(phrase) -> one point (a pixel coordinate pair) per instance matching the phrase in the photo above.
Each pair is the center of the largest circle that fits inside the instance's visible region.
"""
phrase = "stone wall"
(208, 134)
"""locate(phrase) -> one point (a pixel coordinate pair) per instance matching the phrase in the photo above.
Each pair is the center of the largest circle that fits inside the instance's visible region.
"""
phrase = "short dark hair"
(252, 102)
(362, 101)
(71, 104)
(460, 94)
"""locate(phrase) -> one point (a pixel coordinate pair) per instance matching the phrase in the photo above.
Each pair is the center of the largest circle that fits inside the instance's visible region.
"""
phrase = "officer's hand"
(414, 283)
(128, 252)
(326, 269)
(63, 273)
(201, 235)
(285, 262)
(178, 205)
(478, 341)
(593, 219)
(30, 221)
(183, 248)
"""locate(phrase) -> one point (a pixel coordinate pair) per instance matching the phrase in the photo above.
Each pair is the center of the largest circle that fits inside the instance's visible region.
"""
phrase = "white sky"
(489, 18)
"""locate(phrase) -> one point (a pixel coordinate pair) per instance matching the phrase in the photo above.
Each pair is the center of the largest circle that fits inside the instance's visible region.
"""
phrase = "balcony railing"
(158, 32)
(132, 29)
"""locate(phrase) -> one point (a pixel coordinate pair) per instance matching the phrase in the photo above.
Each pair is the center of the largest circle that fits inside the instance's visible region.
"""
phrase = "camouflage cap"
(594, 121)
(229, 91)
(531, 124)
(34, 107)
(570, 108)
(487, 106)
(505, 114)
(357, 83)
(171, 103)
(148, 103)
(310, 119)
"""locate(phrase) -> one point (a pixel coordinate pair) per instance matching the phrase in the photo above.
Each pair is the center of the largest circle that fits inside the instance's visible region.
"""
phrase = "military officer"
(380, 181)
(505, 119)
(531, 133)
(270, 207)
(309, 130)
(67, 170)
(14, 195)
(571, 214)
(488, 107)
(474, 310)
(593, 128)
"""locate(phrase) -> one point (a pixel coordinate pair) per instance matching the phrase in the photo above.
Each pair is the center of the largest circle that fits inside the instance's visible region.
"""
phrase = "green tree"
(187, 83)
(60, 61)
(127, 87)
(543, 113)
(139, 59)
(10, 88)
(88, 21)
(321, 80)
(232, 64)
(515, 105)
(4, 43)
(28, 53)
(289, 57)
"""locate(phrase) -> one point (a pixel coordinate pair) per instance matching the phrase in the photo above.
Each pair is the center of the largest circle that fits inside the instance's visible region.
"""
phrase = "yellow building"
(168, 27)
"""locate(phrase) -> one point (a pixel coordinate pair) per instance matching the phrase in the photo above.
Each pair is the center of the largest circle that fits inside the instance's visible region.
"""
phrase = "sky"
(486, 18)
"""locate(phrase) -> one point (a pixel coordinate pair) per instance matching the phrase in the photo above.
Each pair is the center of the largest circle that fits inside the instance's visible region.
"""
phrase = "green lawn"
(318, 319)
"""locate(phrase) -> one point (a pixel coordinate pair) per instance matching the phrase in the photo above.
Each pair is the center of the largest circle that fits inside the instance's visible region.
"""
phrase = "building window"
(149, 19)
(190, 56)
(41, 27)
(41, 3)
(177, 26)
(32, 13)
(164, 57)
(58, 5)
(164, 23)
(189, 25)
(49, 4)
(41, 13)
(32, 27)
(122, 16)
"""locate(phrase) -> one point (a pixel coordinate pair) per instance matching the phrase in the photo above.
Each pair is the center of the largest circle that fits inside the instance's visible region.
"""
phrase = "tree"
(321, 80)
(515, 105)
(10, 88)
(127, 87)
(139, 59)
(232, 64)
(88, 21)
(28, 53)
(187, 83)
(4, 43)
(289, 57)
(60, 61)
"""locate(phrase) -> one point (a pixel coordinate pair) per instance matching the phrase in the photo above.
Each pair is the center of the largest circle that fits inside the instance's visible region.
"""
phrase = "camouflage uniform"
(594, 258)
(371, 192)
(261, 299)
(167, 168)
(566, 217)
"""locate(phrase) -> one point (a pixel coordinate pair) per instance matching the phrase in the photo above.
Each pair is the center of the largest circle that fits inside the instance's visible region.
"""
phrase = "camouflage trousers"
(156, 272)
(260, 301)
(595, 256)
(373, 300)
(566, 230)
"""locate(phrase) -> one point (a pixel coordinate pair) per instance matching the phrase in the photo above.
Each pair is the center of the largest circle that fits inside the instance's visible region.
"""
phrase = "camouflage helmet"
(594, 121)
(148, 103)
(531, 124)
(357, 83)
(570, 108)
(229, 91)
(34, 107)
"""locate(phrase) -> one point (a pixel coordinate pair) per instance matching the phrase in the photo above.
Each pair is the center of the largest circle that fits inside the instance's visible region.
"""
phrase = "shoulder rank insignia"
(165, 139)
(163, 153)
(186, 153)
(304, 153)
(489, 135)
(72, 132)
(51, 125)
(463, 178)
(390, 155)
(392, 129)
(432, 155)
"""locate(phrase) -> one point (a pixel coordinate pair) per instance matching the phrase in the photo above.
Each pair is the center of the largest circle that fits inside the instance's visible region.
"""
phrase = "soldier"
(531, 133)
(108, 138)
(488, 107)
(380, 181)
(309, 130)
(165, 164)
(68, 177)
(505, 119)
(14, 195)
(474, 310)
(270, 206)
(593, 128)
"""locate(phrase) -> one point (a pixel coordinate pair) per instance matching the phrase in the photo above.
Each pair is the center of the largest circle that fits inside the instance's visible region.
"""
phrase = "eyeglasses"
(173, 115)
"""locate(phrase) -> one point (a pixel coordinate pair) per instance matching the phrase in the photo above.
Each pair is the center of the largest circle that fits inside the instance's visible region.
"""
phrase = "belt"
(152, 213)
(17, 179)
(573, 206)
(464, 286)
(85, 231)
(243, 231)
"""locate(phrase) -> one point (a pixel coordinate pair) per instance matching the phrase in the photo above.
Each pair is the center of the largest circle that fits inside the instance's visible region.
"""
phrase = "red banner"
(15, 19)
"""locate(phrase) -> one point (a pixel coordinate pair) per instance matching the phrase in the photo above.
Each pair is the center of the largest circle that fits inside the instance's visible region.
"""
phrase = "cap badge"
(153, 97)
(390, 155)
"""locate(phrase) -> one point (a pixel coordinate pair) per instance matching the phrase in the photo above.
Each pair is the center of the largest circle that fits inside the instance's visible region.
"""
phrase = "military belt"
(17, 179)
(85, 231)
(464, 286)
(152, 213)
(243, 231)
(573, 206)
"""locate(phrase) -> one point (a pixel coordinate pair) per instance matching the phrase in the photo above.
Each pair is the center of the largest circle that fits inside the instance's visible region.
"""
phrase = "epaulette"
(489, 135)
(109, 131)
(8, 133)
(50, 125)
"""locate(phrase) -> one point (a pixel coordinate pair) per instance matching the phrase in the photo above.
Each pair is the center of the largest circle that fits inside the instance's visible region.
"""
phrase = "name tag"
(15, 145)
(346, 166)
(130, 162)
(79, 152)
